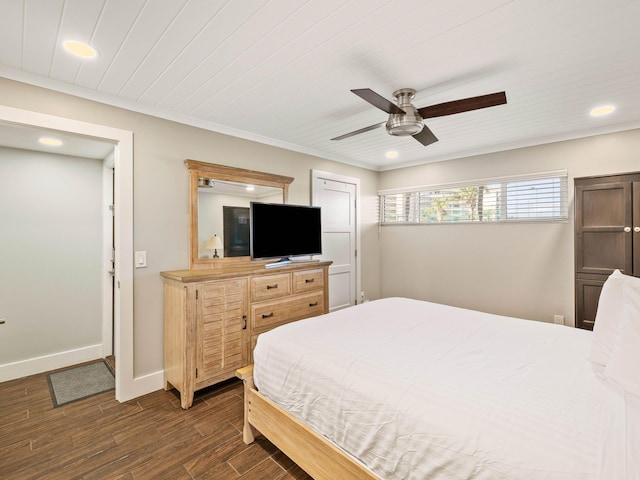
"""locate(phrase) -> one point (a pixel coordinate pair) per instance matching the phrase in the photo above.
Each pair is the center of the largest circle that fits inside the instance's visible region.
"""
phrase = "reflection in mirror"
(212, 187)
(223, 211)
(236, 231)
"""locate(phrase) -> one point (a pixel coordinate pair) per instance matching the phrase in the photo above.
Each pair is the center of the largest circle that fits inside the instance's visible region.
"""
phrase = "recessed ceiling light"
(602, 110)
(50, 141)
(250, 188)
(391, 154)
(80, 49)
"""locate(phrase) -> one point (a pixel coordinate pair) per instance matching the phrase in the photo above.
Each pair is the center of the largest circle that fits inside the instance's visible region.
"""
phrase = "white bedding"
(416, 390)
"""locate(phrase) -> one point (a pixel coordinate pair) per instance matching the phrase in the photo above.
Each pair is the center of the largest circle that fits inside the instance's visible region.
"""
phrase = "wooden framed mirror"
(212, 187)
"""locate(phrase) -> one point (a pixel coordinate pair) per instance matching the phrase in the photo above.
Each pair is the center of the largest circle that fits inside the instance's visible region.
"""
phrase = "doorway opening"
(120, 338)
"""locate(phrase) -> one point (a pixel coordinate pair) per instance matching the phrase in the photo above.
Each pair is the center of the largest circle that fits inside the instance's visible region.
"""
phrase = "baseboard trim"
(141, 385)
(32, 366)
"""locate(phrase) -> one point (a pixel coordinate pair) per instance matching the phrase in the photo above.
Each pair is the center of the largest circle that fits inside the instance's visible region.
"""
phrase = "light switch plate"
(141, 259)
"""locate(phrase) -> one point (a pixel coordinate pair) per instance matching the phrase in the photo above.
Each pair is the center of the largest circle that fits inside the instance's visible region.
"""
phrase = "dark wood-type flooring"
(150, 437)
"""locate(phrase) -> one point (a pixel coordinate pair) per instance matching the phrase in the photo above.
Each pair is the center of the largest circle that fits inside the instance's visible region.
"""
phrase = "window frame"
(414, 210)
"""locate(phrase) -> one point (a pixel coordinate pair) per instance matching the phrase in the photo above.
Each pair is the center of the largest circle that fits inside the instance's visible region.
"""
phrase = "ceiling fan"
(405, 119)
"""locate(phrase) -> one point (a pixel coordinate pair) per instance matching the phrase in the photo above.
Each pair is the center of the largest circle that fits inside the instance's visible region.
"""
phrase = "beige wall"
(523, 270)
(50, 225)
(161, 194)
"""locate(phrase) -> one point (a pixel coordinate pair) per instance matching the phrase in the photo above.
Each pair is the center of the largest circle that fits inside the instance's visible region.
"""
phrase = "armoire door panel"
(604, 205)
(603, 252)
(587, 297)
(603, 211)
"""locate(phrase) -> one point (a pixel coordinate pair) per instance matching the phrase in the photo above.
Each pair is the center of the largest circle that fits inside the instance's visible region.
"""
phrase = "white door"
(337, 196)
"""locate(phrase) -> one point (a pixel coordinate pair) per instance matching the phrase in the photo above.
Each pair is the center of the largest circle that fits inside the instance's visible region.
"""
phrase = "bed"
(406, 389)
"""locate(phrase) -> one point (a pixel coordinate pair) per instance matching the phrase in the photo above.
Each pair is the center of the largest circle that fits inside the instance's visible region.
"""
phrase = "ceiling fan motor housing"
(408, 123)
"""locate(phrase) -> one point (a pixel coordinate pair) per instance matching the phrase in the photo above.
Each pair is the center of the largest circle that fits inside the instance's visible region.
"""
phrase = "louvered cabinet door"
(221, 330)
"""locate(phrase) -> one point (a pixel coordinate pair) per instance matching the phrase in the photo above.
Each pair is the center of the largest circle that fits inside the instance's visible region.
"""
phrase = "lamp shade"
(214, 242)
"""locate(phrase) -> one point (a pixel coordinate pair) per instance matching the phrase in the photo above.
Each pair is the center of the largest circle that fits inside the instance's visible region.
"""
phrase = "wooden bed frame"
(312, 452)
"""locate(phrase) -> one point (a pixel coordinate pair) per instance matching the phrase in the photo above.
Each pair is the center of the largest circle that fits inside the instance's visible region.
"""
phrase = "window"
(524, 198)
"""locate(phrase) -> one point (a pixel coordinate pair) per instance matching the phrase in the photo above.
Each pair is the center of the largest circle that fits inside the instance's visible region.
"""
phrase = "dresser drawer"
(267, 315)
(270, 286)
(308, 280)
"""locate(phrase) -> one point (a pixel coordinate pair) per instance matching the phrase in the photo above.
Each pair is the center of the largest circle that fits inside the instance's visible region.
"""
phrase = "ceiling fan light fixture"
(206, 182)
(408, 123)
(403, 125)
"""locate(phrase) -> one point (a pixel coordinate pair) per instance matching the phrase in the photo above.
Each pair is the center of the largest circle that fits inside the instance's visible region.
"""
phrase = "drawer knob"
(310, 280)
(627, 229)
(269, 315)
(269, 287)
(314, 304)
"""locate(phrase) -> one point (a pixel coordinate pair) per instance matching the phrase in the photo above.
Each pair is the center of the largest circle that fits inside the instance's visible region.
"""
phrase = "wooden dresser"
(212, 318)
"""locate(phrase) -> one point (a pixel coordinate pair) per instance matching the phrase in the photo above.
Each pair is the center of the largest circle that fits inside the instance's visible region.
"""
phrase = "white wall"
(161, 195)
(51, 244)
(523, 270)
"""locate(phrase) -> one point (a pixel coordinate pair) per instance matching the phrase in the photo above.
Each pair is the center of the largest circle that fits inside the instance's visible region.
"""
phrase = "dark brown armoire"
(607, 236)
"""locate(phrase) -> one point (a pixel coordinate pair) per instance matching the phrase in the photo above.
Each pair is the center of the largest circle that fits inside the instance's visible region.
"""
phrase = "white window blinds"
(522, 198)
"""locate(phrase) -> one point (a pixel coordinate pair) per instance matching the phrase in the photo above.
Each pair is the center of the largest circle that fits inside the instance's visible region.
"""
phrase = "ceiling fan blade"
(378, 101)
(464, 105)
(357, 132)
(425, 137)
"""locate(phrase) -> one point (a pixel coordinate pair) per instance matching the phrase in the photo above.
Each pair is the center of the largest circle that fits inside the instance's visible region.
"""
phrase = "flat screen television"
(283, 231)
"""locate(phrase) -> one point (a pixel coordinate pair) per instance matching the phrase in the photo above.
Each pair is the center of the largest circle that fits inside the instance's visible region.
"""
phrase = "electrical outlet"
(558, 319)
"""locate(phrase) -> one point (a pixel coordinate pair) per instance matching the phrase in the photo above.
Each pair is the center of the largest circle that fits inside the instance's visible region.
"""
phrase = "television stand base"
(280, 263)
(287, 261)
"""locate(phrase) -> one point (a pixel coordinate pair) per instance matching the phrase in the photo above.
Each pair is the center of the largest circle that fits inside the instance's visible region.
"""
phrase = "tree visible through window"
(538, 197)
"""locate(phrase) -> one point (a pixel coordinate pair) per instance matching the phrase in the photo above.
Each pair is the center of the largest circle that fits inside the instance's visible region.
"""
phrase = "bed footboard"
(312, 452)
(246, 375)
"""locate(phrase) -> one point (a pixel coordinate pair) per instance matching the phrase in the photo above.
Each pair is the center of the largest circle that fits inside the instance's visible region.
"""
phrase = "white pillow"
(623, 366)
(608, 317)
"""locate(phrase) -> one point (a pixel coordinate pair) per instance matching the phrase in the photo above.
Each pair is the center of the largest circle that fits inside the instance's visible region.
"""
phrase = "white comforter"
(416, 390)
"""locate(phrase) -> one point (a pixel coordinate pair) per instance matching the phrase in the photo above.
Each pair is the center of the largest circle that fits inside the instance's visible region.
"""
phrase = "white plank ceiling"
(280, 71)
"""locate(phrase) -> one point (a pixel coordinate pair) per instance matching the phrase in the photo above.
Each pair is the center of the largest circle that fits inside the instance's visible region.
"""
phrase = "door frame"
(317, 174)
(125, 385)
(108, 290)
